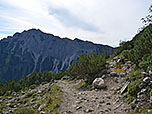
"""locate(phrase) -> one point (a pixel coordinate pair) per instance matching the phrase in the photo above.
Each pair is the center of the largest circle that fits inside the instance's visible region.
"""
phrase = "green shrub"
(88, 67)
(53, 100)
(29, 94)
(8, 93)
(33, 86)
(145, 108)
(28, 110)
(129, 98)
(45, 82)
(135, 78)
(132, 88)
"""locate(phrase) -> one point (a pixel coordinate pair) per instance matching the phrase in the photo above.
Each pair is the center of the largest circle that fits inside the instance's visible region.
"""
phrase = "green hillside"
(138, 50)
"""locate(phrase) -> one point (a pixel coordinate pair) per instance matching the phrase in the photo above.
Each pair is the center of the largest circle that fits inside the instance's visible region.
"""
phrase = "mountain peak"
(33, 30)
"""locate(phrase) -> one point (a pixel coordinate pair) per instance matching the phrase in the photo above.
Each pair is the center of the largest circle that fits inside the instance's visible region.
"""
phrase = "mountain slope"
(138, 48)
(35, 51)
(138, 52)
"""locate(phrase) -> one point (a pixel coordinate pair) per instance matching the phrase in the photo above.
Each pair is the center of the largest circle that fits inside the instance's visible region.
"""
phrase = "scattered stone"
(115, 58)
(102, 101)
(15, 106)
(108, 104)
(143, 90)
(82, 99)
(122, 74)
(78, 107)
(115, 79)
(42, 112)
(93, 100)
(141, 85)
(42, 107)
(66, 78)
(118, 106)
(89, 110)
(112, 89)
(9, 98)
(13, 93)
(106, 110)
(96, 98)
(11, 111)
(103, 76)
(146, 80)
(108, 71)
(123, 89)
(5, 112)
(134, 102)
(109, 108)
(128, 62)
(118, 61)
(25, 104)
(113, 74)
(23, 93)
(1, 101)
(149, 110)
(69, 112)
(39, 91)
(116, 101)
(8, 104)
(143, 73)
(78, 102)
(108, 97)
(99, 83)
(150, 73)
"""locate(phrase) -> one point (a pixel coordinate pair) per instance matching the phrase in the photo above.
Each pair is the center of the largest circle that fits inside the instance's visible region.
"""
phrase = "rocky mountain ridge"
(35, 51)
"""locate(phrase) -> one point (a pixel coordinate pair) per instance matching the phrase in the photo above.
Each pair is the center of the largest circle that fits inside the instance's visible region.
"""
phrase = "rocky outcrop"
(35, 51)
(140, 91)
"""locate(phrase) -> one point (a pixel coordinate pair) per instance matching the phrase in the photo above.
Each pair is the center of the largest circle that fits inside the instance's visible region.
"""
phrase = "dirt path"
(91, 102)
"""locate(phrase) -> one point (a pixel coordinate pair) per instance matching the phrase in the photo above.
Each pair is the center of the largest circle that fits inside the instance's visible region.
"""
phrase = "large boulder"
(99, 83)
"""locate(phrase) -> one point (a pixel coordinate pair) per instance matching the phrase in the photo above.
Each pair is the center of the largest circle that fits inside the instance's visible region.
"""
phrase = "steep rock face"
(35, 51)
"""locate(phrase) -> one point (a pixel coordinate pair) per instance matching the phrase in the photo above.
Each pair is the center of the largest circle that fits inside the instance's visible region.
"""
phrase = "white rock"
(128, 62)
(8, 104)
(103, 76)
(42, 112)
(143, 90)
(146, 80)
(150, 73)
(13, 93)
(89, 110)
(39, 91)
(42, 107)
(1, 101)
(115, 58)
(99, 83)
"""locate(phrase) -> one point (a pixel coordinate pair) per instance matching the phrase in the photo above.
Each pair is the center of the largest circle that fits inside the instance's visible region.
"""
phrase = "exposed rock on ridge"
(35, 51)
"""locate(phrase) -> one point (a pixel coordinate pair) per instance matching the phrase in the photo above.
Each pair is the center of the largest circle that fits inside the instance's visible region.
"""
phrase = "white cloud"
(100, 21)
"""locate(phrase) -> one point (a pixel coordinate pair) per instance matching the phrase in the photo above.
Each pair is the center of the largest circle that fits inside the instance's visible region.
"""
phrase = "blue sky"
(99, 21)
